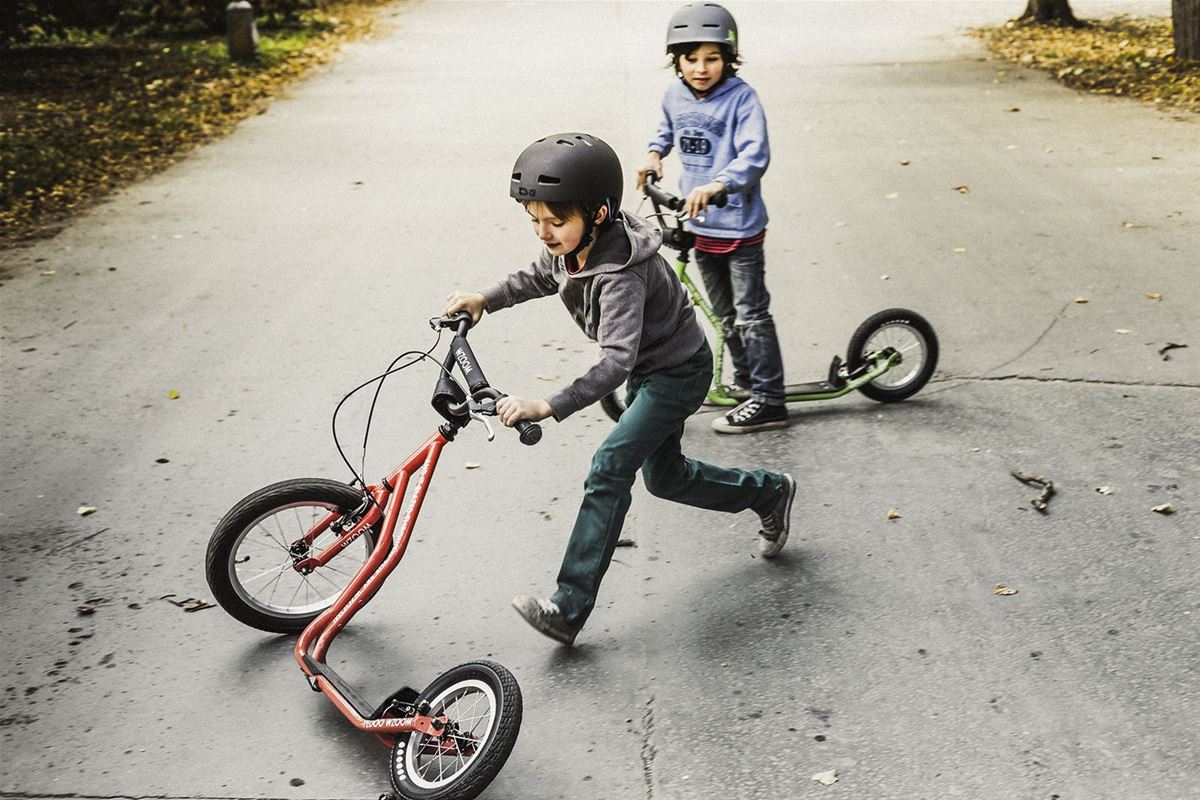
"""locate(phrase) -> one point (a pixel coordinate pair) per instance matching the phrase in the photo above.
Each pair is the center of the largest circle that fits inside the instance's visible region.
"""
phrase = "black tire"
(910, 334)
(419, 763)
(249, 560)
(614, 404)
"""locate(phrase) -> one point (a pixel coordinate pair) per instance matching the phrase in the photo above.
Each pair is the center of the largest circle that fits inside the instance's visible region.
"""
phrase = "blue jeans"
(737, 288)
(647, 437)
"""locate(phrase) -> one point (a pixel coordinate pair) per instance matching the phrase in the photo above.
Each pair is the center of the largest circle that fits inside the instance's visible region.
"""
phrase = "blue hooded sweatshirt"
(721, 136)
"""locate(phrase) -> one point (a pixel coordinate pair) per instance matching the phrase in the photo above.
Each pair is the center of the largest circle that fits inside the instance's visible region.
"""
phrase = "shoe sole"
(762, 426)
(772, 549)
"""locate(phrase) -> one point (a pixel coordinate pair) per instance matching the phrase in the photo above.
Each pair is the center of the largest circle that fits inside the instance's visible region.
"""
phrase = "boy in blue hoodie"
(604, 265)
(715, 121)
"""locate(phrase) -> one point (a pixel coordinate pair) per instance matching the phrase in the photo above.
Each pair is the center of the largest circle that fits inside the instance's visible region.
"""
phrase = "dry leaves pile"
(1123, 55)
(78, 121)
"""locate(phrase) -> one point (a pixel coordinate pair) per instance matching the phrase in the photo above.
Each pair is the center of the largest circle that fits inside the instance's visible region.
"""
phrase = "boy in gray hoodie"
(604, 265)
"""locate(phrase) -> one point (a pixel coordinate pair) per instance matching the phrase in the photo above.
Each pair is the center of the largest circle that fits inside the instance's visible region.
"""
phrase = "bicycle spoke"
(280, 542)
(279, 571)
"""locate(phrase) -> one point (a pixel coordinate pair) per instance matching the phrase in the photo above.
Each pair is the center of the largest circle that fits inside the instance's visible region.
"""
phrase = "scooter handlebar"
(650, 187)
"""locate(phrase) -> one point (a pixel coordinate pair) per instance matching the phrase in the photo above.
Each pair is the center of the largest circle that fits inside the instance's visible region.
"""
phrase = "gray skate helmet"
(569, 168)
(702, 22)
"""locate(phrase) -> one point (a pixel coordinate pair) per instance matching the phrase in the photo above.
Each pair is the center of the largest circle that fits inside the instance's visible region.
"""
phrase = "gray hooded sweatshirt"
(626, 298)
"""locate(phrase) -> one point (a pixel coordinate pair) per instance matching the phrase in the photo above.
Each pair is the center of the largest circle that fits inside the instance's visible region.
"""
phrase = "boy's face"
(702, 67)
(560, 236)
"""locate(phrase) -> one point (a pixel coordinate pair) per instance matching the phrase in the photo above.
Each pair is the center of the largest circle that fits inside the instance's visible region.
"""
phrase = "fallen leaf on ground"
(1154, 295)
(1122, 331)
(626, 543)
(189, 604)
(1162, 351)
(884, 277)
(960, 249)
(893, 514)
(472, 465)
(1104, 490)
(1042, 502)
(964, 189)
(49, 273)
(1003, 591)
(905, 163)
(547, 377)
(826, 778)
(1081, 300)
(1165, 508)
(892, 195)
(85, 510)
(173, 394)
(1012, 110)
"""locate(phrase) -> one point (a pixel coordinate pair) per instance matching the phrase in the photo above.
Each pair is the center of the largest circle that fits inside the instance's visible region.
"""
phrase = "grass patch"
(83, 116)
(1125, 55)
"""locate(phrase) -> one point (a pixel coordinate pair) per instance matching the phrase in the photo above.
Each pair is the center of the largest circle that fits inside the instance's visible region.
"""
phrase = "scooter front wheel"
(481, 704)
(909, 334)
(252, 555)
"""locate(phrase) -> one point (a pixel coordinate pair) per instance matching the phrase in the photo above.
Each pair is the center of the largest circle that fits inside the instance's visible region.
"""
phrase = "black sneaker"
(546, 617)
(777, 521)
(750, 416)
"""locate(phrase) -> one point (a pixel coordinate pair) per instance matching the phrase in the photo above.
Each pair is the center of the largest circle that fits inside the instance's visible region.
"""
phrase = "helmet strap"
(571, 259)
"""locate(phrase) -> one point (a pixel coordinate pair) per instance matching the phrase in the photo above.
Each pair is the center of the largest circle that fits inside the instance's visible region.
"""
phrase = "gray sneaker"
(546, 617)
(777, 520)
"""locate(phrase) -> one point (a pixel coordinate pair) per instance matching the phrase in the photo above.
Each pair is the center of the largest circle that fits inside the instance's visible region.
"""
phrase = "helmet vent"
(549, 180)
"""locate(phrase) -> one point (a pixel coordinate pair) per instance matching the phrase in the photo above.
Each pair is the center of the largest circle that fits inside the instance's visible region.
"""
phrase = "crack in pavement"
(1036, 341)
(1036, 379)
(648, 749)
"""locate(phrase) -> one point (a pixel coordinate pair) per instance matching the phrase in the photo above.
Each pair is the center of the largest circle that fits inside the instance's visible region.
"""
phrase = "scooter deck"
(815, 387)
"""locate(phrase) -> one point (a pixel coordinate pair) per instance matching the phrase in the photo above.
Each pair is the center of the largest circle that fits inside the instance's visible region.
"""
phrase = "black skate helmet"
(573, 168)
(703, 22)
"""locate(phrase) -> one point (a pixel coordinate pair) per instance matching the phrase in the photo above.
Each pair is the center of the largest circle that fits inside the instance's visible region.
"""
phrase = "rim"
(470, 707)
(906, 340)
(261, 568)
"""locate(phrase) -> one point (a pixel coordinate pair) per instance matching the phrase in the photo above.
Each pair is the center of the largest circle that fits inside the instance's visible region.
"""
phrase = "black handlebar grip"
(720, 199)
(531, 432)
(662, 198)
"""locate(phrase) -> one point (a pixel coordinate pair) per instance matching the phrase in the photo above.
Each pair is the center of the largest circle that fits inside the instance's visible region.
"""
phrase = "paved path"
(266, 274)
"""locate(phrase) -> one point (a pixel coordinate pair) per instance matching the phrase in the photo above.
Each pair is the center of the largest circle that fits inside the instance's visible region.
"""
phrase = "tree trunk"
(1185, 20)
(1046, 12)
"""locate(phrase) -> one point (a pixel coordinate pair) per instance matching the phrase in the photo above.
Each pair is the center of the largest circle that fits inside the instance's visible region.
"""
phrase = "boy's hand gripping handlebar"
(449, 399)
(661, 198)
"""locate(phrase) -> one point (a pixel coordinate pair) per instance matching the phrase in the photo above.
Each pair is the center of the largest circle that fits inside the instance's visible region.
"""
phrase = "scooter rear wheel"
(482, 705)
(614, 404)
(251, 557)
(908, 333)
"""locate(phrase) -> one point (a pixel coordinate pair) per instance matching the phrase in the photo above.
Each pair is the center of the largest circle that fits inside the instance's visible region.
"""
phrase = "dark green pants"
(647, 437)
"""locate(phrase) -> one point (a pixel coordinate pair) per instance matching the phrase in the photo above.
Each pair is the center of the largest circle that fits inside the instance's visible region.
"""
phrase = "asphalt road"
(265, 275)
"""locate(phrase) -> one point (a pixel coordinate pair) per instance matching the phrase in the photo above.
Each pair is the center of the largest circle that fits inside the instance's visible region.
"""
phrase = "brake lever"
(479, 411)
(491, 434)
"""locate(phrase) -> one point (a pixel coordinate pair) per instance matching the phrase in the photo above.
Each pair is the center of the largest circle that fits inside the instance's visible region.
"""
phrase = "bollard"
(240, 33)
